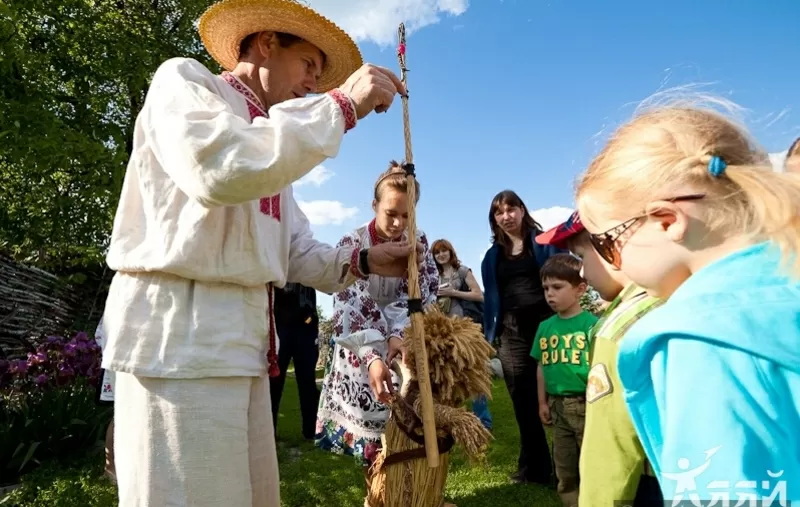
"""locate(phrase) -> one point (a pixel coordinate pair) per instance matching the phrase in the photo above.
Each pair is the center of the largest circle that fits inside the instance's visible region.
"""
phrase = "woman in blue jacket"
(514, 305)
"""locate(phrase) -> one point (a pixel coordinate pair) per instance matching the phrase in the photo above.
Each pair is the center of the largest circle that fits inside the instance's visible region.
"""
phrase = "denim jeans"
(480, 407)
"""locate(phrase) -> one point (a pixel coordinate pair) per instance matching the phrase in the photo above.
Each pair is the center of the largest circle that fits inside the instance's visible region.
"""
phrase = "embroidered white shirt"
(199, 232)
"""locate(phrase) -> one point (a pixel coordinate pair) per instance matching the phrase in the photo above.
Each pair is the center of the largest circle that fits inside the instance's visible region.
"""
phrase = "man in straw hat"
(206, 226)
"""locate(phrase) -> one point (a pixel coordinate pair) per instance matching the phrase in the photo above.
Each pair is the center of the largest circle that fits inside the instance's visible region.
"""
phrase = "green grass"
(310, 477)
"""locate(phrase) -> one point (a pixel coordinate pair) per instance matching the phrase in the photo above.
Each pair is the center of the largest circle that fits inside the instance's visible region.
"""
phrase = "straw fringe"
(410, 483)
(458, 357)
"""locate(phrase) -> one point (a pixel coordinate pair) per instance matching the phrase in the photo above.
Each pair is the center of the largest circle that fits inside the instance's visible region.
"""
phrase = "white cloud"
(550, 217)
(778, 160)
(327, 212)
(316, 177)
(377, 20)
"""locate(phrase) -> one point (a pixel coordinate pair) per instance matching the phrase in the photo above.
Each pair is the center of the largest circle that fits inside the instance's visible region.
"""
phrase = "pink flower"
(370, 451)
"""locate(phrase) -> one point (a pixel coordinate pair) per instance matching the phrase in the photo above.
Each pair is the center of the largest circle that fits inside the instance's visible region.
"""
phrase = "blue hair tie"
(716, 166)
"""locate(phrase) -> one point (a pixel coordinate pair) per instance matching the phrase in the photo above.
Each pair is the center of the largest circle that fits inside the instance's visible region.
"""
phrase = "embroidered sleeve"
(345, 103)
(319, 265)
(397, 312)
(358, 323)
(220, 158)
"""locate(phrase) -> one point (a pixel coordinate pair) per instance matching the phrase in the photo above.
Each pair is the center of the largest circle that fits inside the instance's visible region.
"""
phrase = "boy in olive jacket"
(613, 465)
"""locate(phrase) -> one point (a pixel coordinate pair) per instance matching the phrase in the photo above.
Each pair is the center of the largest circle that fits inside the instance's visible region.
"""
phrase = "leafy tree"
(73, 77)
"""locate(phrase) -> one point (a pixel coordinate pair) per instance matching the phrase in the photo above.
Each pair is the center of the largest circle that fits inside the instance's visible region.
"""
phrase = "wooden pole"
(414, 293)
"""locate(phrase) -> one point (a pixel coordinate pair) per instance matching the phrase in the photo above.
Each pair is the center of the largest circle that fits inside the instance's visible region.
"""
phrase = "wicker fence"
(35, 303)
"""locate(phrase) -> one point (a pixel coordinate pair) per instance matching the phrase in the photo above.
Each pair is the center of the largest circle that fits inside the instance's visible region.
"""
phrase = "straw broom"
(414, 293)
(459, 370)
(411, 470)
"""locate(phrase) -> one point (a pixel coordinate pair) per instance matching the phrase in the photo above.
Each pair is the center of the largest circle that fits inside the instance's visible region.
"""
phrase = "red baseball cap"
(558, 235)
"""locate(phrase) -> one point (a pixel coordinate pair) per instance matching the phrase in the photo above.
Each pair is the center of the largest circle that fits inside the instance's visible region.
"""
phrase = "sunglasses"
(606, 244)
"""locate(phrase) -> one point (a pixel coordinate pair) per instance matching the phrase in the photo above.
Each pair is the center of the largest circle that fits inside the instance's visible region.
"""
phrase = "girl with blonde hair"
(686, 205)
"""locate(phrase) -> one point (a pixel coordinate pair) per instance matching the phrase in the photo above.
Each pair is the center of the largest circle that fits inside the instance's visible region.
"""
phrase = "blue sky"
(521, 94)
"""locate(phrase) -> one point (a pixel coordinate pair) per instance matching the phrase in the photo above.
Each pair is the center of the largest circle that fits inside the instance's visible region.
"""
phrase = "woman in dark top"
(514, 305)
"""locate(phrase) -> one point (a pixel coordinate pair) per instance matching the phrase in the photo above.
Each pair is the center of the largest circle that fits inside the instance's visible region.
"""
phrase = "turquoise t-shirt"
(562, 348)
(712, 381)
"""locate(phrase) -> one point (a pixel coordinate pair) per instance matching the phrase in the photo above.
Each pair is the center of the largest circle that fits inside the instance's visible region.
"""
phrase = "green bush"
(54, 423)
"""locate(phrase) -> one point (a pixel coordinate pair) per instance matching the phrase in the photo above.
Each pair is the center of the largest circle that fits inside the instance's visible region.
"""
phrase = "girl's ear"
(672, 220)
(374, 206)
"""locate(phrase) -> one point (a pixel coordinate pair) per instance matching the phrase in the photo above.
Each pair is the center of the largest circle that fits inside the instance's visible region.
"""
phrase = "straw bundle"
(458, 356)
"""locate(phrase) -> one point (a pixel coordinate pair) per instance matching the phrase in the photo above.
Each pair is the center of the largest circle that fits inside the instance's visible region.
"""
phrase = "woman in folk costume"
(206, 225)
(373, 312)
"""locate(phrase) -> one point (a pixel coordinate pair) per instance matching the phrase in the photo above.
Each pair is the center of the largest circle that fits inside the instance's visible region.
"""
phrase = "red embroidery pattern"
(346, 105)
(248, 94)
(355, 306)
(429, 271)
(362, 312)
(270, 206)
(374, 238)
(355, 269)
(371, 356)
(272, 355)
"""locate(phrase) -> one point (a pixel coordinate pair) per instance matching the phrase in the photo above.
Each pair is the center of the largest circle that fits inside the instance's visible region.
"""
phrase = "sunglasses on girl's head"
(606, 244)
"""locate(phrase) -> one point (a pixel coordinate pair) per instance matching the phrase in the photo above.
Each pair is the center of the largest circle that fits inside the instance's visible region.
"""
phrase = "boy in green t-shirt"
(613, 466)
(562, 350)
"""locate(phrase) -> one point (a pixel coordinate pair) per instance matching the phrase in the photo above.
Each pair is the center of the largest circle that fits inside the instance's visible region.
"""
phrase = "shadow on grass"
(309, 476)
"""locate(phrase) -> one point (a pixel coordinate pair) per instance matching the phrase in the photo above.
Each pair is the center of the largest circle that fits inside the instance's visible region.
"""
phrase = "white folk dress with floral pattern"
(350, 420)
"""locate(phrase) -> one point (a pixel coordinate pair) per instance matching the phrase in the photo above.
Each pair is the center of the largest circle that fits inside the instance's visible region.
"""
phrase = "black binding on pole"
(414, 306)
(409, 169)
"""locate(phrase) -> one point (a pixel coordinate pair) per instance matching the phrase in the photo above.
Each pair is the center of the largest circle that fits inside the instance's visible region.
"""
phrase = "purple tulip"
(69, 349)
(20, 366)
(37, 358)
(55, 362)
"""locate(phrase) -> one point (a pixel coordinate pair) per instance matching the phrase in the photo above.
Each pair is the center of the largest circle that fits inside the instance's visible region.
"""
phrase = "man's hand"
(391, 259)
(380, 380)
(544, 414)
(372, 88)
(395, 347)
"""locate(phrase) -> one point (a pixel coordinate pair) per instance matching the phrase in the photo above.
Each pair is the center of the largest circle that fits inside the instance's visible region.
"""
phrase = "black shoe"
(521, 478)
(518, 478)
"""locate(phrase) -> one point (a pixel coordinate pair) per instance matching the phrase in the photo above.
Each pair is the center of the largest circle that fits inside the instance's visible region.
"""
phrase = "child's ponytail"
(774, 204)
(673, 149)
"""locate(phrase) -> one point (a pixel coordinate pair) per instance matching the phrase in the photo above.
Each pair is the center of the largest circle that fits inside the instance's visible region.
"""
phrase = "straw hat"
(225, 24)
